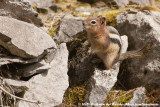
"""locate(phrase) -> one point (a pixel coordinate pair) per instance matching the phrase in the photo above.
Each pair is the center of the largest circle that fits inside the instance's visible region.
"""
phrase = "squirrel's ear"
(103, 20)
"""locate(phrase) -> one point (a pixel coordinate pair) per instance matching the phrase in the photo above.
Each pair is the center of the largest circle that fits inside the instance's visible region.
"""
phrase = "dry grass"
(119, 97)
(148, 8)
(153, 97)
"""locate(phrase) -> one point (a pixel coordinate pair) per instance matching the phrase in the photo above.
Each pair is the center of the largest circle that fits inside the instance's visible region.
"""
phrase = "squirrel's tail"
(140, 53)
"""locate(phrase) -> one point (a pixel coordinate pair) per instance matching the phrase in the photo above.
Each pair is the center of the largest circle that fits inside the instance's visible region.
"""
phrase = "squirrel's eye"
(93, 22)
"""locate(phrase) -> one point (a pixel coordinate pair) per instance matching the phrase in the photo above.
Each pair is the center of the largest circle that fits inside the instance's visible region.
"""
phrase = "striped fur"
(113, 51)
(105, 44)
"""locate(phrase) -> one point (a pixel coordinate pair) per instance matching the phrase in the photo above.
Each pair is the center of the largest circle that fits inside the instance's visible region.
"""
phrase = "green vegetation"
(34, 7)
(53, 28)
(110, 15)
(74, 95)
(119, 97)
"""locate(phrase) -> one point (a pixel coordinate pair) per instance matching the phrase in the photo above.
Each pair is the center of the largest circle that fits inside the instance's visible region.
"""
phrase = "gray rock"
(35, 68)
(55, 7)
(25, 67)
(21, 10)
(102, 81)
(121, 3)
(138, 96)
(39, 67)
(41, 6)
(7, 58)
(88, 11)
(50, 86)
(12, 59)
(69, 28)
(23, 39)
(44, 4)
(140, 27)
(141, 2)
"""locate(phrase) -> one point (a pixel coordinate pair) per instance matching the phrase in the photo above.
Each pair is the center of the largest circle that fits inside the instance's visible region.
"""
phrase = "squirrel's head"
(95, 25)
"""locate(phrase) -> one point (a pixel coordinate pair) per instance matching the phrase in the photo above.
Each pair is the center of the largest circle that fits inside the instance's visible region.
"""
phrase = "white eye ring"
(93, 22)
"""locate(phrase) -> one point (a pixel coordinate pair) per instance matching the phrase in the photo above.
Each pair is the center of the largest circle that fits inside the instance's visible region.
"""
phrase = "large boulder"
(48, 87)
(21, 10)
(141, 27)
(102, 81)
(23, 39)
(70, 27)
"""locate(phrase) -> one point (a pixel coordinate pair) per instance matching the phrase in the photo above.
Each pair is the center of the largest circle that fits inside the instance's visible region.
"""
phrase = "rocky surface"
(141, 2)
(88, 11)
(48, 87)
(55, 7)
(44, 6)
(102, 81)
(123, 3)
(34, 67)
(27, 35)
(138, 96)
(120, 3)
(21, 10)
(70, 27)
(41, 4)
(140, 27)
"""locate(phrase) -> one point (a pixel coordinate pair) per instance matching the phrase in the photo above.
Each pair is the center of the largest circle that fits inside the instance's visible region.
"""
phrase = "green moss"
(110, 15)
(80, 4)
(124, 100)
(74, 95)
(119, 97)
(79, 14)
(53, 28)
(76, 92)
(52, 31)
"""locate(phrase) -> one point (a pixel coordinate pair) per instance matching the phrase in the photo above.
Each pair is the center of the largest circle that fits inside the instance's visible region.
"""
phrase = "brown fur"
(99, 39)
(140, 53)
(104, 47)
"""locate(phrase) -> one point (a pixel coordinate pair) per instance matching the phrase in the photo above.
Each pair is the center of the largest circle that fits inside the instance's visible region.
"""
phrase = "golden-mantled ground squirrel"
(107, 45)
